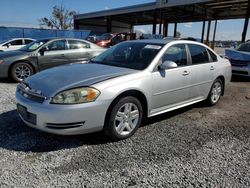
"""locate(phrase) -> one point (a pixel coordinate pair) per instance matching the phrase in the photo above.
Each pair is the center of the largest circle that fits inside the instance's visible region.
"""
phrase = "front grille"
(64, 126)
(30, 94)
(238, 63)
(239, 72)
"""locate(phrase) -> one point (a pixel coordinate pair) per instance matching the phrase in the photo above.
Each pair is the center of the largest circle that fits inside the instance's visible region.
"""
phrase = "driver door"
(171, 86)
(53, 54)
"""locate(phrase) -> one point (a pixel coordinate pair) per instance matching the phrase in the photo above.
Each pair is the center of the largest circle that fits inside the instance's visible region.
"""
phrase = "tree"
(61, 18)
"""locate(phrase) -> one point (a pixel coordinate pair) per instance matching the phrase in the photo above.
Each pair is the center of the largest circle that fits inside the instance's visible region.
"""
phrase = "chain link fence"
(12, 32)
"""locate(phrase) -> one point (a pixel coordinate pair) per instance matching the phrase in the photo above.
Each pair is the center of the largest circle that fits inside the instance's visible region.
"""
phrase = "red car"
(108, 39)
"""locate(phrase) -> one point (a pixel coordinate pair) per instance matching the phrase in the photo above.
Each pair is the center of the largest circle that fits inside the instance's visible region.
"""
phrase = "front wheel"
(124, 119)
(215, 92)
(20, 71)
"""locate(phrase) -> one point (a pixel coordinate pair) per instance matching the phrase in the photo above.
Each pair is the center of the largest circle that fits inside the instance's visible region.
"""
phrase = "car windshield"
(133, 55)
(245, 47)
(105, 37)
(34, 45)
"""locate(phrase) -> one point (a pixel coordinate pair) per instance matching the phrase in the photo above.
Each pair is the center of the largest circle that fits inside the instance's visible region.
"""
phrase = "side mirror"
(167, 65)
(8, 45)
(42, 50)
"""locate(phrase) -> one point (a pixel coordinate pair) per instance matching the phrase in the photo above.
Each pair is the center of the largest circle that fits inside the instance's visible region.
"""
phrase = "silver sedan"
(115, 91)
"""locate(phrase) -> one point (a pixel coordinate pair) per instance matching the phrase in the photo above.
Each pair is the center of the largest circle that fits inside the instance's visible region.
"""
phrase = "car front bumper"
(241, 70)
(64, 119)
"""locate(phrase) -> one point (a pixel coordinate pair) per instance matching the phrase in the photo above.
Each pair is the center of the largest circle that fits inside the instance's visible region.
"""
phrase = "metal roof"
(172, 11)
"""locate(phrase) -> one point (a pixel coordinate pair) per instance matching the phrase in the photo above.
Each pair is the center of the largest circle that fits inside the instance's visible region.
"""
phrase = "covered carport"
(165, 12)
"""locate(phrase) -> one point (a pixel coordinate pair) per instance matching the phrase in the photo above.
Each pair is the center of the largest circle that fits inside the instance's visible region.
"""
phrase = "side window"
(56, 45)
(14, 43)
(198, 53)
(213, 56)
(176, 53)
(74, 44)
(27, 41)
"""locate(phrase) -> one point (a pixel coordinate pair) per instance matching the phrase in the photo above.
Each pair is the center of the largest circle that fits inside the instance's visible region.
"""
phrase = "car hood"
(13, 53)
(52, 81)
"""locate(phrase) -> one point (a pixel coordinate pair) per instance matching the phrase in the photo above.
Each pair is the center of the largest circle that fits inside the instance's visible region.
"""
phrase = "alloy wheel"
(126, 119)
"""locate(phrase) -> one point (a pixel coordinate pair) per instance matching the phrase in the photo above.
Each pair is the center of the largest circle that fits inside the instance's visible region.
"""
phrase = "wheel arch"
(21, 61)
(133, 93)
(222, 78)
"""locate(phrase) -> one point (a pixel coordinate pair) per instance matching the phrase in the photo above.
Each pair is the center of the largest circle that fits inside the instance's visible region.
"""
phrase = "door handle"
(185, 73)
(212, 68)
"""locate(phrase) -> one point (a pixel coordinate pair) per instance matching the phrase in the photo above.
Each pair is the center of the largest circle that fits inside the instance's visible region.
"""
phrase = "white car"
(14, 44)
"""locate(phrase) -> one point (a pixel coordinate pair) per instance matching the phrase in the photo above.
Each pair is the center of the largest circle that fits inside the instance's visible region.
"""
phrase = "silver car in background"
(116, 90)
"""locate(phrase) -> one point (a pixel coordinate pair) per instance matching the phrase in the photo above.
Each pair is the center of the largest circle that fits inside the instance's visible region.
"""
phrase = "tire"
(20, 71)
(215, 92)
(124, 119)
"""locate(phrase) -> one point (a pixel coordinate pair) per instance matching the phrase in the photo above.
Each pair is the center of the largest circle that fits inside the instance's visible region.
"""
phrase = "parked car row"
(43, 54)
(107, 40)
(117, 89)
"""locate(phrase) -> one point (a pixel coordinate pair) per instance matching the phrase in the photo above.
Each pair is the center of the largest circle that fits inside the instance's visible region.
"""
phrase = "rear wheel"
(215, 92)
(20, 71)
(124, 119)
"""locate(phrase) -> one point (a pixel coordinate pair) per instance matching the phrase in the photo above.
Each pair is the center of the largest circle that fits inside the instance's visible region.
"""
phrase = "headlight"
(76, 96)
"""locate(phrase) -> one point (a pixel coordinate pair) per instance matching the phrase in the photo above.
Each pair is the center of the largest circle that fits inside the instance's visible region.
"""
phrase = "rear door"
(202, 71)
(172, 86)
(52, 54)
(78, 51)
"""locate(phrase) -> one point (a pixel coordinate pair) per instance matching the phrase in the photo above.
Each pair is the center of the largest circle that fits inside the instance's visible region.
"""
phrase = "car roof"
(165, 41)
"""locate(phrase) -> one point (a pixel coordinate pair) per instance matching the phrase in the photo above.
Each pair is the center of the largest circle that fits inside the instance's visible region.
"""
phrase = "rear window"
(244, 47)
(198, 53)
(212, 55)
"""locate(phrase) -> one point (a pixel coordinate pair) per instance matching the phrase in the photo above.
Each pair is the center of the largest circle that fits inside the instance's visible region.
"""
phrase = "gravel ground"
(197, 146)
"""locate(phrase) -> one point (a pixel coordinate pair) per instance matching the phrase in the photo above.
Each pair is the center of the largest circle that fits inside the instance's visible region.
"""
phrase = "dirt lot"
(197, 146)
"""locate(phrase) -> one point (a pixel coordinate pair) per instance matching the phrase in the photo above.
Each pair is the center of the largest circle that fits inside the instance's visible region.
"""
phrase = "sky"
(25, 13)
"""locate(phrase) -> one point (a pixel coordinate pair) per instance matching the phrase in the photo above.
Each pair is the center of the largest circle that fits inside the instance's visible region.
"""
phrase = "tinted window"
(198, 53)
(213, 56)
(133, 55)
(176, 53)
(106, 36)
(27, 41)
(74, 44)
(15, 43)
(56, 45)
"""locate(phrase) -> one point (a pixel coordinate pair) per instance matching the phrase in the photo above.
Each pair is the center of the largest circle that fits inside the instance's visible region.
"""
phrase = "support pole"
(208, 31)
(165, 28)
(154, 24)
(215, 28)
(244, 33)
(175, 29)
(160, 25)
(203, 26)
(109, 24)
